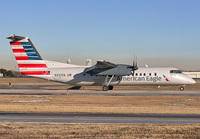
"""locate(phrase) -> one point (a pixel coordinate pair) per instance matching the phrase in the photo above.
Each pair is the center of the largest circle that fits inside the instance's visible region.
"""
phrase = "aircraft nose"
(184, 79)
(192, 81)
(189, 80)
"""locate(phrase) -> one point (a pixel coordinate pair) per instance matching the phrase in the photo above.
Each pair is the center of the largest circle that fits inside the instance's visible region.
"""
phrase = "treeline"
(7, 73)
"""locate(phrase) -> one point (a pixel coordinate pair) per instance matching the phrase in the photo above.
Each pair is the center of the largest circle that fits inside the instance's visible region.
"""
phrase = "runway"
(89, 118)
(98, 92)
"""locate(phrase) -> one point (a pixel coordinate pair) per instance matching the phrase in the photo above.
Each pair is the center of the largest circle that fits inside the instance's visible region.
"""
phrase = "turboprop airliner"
(103, 73)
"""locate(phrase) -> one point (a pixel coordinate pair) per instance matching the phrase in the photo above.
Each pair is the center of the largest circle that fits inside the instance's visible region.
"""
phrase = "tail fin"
(28, 59)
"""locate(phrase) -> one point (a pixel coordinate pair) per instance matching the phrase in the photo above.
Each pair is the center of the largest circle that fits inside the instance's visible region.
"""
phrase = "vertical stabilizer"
(28, 59)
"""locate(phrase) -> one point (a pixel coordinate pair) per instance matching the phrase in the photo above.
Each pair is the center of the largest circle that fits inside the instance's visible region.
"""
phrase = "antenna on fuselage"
(88, 62)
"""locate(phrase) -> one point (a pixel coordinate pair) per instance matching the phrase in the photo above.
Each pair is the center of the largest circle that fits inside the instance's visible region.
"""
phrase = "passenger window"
(144, 74)
(136, 74)
(155, 74)
(149, 74)
(140, 74)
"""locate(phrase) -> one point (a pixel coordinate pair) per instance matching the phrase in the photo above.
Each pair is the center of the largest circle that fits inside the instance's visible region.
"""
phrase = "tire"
(182, 88)
(105, 88)
(110, 87)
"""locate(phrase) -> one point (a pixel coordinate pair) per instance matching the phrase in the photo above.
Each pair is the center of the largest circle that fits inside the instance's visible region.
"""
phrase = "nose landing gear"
(182, 88)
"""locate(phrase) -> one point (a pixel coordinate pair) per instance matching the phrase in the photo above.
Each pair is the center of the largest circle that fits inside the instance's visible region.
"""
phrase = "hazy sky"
(159, 32)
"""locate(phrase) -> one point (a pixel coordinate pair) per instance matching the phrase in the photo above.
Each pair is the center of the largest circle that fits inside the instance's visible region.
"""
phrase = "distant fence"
(193, 74)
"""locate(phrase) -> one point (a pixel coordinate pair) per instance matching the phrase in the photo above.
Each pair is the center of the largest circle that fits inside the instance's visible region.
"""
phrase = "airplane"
(103, 73)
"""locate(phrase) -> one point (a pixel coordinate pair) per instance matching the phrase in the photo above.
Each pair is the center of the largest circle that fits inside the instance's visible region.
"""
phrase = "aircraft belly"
(86, 83)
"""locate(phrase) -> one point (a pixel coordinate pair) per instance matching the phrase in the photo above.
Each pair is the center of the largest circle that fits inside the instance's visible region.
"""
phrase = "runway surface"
(97, 118)
(98, 92)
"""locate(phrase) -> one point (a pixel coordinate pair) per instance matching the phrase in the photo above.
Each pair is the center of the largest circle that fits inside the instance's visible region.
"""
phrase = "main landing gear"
(106, 88)
(106, 84)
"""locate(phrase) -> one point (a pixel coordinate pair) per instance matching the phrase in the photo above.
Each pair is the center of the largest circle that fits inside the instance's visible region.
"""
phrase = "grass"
(101, 104)
(99, 131)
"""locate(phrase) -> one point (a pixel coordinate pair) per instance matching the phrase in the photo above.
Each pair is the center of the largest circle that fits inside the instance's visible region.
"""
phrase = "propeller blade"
(134, 67)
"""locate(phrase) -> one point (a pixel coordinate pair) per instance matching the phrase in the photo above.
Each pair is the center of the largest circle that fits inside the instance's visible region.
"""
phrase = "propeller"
(134, 67)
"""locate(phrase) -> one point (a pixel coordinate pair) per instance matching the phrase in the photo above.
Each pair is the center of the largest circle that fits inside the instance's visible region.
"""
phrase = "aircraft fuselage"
(143, 76)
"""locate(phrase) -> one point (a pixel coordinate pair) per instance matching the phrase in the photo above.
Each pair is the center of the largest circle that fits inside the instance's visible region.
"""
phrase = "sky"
(158, 32)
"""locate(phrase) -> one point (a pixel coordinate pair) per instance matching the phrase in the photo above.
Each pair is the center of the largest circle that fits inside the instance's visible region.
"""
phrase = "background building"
(1, 75)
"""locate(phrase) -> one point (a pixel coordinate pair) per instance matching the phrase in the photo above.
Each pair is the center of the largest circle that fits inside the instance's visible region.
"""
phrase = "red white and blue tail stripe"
(28, 59)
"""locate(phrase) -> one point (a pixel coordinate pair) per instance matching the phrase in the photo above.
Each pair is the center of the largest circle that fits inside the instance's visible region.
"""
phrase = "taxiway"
(98, 92)
(70, 118)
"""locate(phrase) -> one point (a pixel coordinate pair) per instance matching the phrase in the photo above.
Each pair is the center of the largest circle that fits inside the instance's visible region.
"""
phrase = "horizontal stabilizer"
(16, 38)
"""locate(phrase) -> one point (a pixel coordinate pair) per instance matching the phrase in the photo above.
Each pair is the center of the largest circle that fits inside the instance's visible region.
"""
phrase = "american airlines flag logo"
(28, 59)
(69, 75)
(165, 78)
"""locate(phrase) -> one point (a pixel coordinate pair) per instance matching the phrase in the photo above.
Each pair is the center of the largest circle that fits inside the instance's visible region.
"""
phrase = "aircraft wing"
(105, 68)
(105, 65)
(101, 66)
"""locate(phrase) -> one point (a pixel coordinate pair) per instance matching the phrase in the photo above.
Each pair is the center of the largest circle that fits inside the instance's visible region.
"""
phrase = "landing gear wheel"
(182, 88)
(110, 87)
(105, 88)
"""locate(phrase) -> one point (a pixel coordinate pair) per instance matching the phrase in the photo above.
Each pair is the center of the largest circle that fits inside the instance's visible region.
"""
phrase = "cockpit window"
(175, 71)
